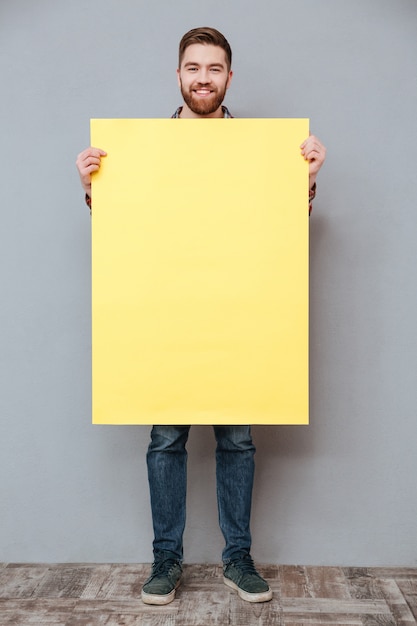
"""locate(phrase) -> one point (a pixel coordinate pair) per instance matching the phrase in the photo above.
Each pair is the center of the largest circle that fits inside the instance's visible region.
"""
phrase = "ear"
(229, 80)
(178, 77)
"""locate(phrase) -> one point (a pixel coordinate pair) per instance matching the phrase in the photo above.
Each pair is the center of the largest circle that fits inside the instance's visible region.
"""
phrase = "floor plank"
(327, 582)
(64, 581)
(263, 614)
(109, 595)
(293, 581)
(396, 602)
(408, 587)
(215, 612)
(20, 581)
(44, 612)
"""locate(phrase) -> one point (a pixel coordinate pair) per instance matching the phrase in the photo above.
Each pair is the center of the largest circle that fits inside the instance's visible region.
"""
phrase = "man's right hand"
(88, 161)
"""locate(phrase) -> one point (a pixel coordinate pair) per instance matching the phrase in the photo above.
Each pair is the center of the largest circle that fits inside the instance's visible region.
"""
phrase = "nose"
(203, 76)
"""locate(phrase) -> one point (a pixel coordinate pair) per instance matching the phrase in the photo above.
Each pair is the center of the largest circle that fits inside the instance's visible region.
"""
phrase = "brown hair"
(205, 35)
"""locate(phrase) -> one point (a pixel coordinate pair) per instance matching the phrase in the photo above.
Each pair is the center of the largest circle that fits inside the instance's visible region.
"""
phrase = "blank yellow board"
(200, 272)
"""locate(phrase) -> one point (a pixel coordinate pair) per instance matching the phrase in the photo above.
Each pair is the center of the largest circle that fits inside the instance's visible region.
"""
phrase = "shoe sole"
(263, 596)
(153, 598)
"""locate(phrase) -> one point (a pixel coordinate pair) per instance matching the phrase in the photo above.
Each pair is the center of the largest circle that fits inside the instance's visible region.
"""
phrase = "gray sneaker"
(242, 576)
(165, 578)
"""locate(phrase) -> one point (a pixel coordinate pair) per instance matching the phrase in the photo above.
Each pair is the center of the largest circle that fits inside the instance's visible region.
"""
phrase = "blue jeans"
(167, 473)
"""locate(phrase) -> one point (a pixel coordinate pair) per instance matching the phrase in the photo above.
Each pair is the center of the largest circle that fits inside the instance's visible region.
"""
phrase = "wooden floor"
(109, 595)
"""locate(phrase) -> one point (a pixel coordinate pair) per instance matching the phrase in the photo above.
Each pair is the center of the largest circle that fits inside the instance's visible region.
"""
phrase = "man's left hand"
(314, 152)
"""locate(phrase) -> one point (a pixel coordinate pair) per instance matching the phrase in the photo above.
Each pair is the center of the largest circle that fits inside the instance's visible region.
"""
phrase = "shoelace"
(164, 568)
(246, 565)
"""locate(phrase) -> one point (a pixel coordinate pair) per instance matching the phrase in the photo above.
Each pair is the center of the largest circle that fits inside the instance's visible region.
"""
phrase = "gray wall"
(341, 491)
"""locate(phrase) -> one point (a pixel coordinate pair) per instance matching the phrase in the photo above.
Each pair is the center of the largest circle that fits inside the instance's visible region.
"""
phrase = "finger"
(309, 138)
(85, 168)
(311, 141)
(91, 160)
(93, 167)
(88, 162)
(314, 150)
(312, 153)
(91, 151)
(311, 144)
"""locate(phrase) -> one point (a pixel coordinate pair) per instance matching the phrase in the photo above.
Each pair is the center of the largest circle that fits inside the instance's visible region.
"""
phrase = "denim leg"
(235, 468)
(167, 474)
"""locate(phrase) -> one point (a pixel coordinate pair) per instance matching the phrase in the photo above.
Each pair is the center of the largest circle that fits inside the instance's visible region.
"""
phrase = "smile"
(203, 92)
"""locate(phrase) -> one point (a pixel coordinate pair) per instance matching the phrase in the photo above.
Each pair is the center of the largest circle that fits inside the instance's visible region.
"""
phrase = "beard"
(203, 106)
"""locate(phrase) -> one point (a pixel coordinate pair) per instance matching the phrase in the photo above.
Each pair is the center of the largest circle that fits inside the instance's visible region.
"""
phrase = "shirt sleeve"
(88, 201)
(311, 196)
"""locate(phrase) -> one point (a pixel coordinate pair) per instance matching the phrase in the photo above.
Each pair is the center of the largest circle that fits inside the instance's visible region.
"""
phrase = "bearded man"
(204, 76)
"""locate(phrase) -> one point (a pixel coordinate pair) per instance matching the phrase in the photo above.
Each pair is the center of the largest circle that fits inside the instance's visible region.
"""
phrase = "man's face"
(203, 79)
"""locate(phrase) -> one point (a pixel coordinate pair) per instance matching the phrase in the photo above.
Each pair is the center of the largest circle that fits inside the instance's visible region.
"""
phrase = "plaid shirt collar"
(226, 112)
